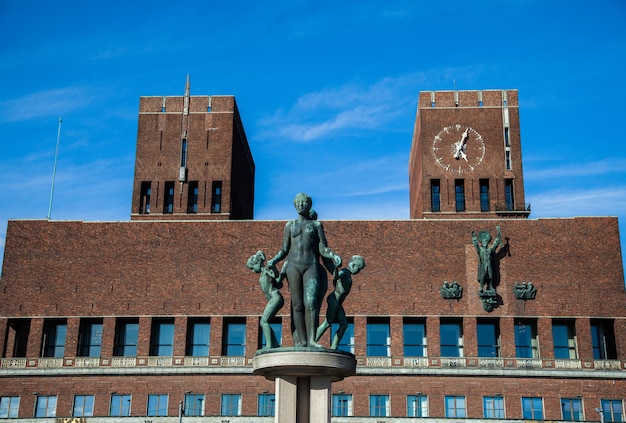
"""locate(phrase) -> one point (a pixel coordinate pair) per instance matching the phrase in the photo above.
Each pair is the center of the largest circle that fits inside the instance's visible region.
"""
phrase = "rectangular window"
(54, 338)
(90, 338)
(83, 406)
(417, 405)
(507, 159)
(9, 407)
(120, 405)
(451, 336)
(509, 198)
(435, 195)
(379, 405)
(347, 340)
(183, 152)
(493, 407)
(194, 405)
(46, 406)
(192, 197)
(564, 339)
(267, 403)
(459, 194)
(612, 410)
(157, 405)
(378, 338)
(277, 328)
(414, 335)
(234, 338)
(144, 199)
(342, 405)
(231, 405)
(168, 201)
(507, 143)
(455, 406)
(571, 409)
(162, 338)
(198, 337)
(19, 330)
(216, 198)
(532, 408)
(603, 340)
(488, 334)
(484, 195)
(126, 334)
(526, 344)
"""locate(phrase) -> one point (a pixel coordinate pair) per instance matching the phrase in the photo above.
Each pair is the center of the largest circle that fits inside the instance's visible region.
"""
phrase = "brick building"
(143, 318)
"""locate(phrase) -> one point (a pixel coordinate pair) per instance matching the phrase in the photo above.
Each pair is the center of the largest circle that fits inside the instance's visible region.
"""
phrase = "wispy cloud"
(53, 102)
(580, 202)
(578, 169)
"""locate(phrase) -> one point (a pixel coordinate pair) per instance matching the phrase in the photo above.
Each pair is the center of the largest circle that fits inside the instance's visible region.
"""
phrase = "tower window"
(183, 153)
(526, 343)
(144, 199)
(192, 197)
(507, 158)
(459, 190)
(90, 339)
(508, 194)
(603, 340)
(216, 198)
(451, 338)
(435, 195)
(126, 335)
(162, 339)
(484, 195)
(54, 338)
(506, 137)
(168, 204)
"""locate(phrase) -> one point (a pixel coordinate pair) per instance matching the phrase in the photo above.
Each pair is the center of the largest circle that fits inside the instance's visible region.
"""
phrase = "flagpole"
(54, 170)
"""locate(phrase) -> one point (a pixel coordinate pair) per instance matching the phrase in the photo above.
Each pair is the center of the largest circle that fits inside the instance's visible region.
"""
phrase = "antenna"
(54, 170)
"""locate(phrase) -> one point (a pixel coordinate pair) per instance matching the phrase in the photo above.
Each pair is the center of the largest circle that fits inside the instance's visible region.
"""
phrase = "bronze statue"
(451, 290)
(485, 267)
(304, 243)
(270, 284)
(342, 280)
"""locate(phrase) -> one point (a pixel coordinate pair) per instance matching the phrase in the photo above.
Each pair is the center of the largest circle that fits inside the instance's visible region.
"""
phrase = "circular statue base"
(303, 378)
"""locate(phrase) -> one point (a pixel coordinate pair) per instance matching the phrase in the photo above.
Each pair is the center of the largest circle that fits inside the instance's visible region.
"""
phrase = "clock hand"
(460, 146)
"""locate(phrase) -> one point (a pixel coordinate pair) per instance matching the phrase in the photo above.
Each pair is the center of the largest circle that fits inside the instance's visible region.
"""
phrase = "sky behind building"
(327, 92)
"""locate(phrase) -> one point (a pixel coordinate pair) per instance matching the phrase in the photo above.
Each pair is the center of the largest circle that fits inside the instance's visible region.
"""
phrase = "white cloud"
(54, 102)
(579, 202)
(578, 169)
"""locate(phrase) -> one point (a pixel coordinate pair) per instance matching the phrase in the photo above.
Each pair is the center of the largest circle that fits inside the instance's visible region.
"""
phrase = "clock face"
(458, 148)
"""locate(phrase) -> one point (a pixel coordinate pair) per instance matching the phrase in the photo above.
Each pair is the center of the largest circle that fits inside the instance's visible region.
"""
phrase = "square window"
(612, 410)
(231, 405)
(417, 406)
(379, 405)
(120, 405)
(9, 407)
(342, 405)
(157, 405)
(571, 409)
(194, 405)
(493, 407)
(46, 406)
(455, 406)
(267, 403)
(83, 406)
(532, 408)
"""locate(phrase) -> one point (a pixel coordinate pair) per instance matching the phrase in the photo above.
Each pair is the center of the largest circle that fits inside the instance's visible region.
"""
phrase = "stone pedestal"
(303, 378)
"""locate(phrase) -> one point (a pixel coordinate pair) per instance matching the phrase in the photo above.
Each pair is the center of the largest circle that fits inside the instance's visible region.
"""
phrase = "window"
(267, 403)
(234, 339)
(459, 191)
(612, 410)
(493, 407)
(506, 137)
(126, 332)
(414, 335)
(90, 338)
(451, 336)
(379, 405)
(144, 199)
(571, 409)
(342, 405)
(157, 405)
(417, 405)
(120, 405)
(564, 339)
(46, 406)
(54, 338)
(192, 197)
(9, 407)
(532, 408)
(198, 335)
(378, 339)
(484, 195)
(277, 329)
(216, 198)
(488, 333)
(435, 195)
(231, 405)
(83, 406)
(194, 405)
(183, 152)
(603, 340)
(347, 341)
(19, 330)
(507, 158)
(526, 344)
(455, 406)
(509, 199)
(162, 338)
(168, 201)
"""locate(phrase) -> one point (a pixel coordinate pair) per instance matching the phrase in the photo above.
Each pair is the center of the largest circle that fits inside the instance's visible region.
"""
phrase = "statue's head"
(302, 203)
(256, 261)
(484, 237)
(356, 264)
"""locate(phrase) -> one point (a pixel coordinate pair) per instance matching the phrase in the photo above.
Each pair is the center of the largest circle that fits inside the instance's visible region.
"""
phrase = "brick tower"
(193, 161)
(466, 158)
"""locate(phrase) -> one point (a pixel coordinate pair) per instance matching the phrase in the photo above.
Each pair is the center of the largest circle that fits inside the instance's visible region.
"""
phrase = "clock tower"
(466, 157)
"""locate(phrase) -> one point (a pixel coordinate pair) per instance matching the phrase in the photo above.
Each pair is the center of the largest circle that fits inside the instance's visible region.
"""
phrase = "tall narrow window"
(46, 406)
(267, 404)
(435, 195)
(451, 336)
(90, 338)
(564, 339)
(347, 340)
(509, 198)
(183, 152)
(488, 334)
(417, 405)
(507, 158)
(54, 338)
(20, 329)
(234, 338)
(194, 405)
(157, 405)
(277, 329)
(342, 405)
(493, 407)
(484, 195)
(379, 405)
(83, 406)
(192, 197)
(120, 405)
(9, 407)
(378, 338)
(603, 340)
(526, 344)
(216, 198)
(612, 410)
(507, 143)
(571, 409)
(162, 337)
(126, 334)
(459, 190)
(455, 406)
(414, 335)
(144, 199)
(532, 408)
(231, 405)
(168, 201)
(198, 335)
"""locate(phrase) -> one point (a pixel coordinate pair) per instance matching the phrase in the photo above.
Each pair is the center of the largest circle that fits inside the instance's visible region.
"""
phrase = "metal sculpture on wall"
(452, 290)
(524, 291)
(486, 275)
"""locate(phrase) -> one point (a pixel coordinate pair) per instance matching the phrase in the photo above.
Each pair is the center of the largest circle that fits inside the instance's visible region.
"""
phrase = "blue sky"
(327, 91)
